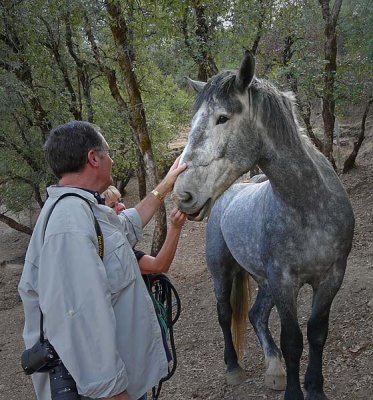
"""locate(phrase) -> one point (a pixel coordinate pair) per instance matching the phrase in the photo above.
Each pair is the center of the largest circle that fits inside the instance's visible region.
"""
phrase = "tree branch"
(53, 45)
(83, 75)
(350, 161)
(6, 66)
(335, 11)
(21, 151)
(259, 30)
(109, 73)
(21, 130)
(12, 223)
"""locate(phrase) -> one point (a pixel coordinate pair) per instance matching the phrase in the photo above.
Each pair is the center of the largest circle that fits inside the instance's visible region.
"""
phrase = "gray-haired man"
(97, 313)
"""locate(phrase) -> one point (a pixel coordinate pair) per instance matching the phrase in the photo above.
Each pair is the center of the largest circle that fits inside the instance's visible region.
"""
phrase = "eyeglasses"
(111, 152)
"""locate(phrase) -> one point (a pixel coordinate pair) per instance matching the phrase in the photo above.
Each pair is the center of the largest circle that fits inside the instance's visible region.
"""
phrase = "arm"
(150, 204)
(163, 260)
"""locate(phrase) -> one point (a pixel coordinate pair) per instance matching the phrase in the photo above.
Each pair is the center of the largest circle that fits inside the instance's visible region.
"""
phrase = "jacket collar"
(56, 191)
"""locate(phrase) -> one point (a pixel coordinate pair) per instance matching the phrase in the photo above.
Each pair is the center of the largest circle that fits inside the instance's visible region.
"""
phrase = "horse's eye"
(222, 120)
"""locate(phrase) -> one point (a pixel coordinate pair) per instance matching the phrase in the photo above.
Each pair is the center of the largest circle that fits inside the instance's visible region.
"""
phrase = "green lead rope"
(167, 306)
(161, 315)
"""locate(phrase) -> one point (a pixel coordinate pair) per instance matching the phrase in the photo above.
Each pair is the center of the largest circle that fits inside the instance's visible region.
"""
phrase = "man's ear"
(92, 158)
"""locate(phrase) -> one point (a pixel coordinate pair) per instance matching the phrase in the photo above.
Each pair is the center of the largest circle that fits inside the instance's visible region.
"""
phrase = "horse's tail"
(240, 302)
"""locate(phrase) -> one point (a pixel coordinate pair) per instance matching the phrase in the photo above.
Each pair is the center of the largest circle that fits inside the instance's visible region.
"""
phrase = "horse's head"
(223, 142)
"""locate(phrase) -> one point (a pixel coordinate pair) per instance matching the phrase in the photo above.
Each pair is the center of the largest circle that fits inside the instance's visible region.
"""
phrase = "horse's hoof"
(275, 376)
(235, 377)
(275, 382)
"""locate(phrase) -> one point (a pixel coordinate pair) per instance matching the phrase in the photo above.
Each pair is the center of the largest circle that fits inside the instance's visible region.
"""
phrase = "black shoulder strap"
(100, 240)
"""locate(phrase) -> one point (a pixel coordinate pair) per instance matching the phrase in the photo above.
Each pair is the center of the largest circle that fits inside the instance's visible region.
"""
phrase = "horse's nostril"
(179, 198)
(187, 196)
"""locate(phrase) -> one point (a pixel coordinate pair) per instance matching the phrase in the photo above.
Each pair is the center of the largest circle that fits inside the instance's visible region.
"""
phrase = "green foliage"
(166, 107)
(167, 45)
(356, 60)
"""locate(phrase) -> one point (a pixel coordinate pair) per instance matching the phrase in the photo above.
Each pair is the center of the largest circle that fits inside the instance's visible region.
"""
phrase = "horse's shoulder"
(250, 189)
(242, 197)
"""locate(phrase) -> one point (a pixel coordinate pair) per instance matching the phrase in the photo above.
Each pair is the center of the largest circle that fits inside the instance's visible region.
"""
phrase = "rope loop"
(167, 306)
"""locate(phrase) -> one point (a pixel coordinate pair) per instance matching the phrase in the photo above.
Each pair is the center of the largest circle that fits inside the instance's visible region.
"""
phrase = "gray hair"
(67, 146)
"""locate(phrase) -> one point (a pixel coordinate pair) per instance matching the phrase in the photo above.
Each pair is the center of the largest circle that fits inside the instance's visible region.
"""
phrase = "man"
(97, 313)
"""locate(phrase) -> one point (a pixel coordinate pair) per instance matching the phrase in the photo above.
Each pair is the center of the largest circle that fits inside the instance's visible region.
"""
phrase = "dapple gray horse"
(295, 228)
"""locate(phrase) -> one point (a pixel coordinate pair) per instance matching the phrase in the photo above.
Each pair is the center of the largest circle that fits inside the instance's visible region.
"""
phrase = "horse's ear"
(246, 72)
(196, 85)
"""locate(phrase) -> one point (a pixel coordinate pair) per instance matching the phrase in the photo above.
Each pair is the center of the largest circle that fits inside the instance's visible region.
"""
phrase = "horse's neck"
(297, 173)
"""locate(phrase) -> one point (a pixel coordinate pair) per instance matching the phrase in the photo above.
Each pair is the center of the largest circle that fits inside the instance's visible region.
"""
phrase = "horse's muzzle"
(189, 206)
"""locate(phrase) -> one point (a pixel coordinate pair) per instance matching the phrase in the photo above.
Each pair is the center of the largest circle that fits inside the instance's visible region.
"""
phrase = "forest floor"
(348, 357)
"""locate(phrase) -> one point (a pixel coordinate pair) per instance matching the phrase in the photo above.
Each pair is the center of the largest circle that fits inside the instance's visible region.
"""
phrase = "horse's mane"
(220, 86)
(276, 109)
(279, 115)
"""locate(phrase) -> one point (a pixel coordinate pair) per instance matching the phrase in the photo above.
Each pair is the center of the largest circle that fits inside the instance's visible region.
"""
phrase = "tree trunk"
(350, 161)
(122, 106)
(141, 175)
(304, 108)
(259, 27)
(15, 225)
(123, 180)
(83, 76)
(305, 111)
(200, 52)
(206, 64)
(330, 53)
(258, 36)
(120, 34)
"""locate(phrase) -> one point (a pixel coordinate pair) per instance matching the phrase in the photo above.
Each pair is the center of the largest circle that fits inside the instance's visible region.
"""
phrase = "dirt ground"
(348, 359)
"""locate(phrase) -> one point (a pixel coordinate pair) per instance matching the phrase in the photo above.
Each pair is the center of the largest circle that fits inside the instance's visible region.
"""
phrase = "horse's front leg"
(223, 268)
(275, 376)
(234, 373)
(317, 330)
(285, 294)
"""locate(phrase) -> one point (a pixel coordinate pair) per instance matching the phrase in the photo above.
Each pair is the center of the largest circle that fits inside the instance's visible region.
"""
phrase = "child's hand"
(177, 218)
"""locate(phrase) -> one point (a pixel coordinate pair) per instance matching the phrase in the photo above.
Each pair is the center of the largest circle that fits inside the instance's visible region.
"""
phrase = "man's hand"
(120, 396)
(168, 181)
(151, 203)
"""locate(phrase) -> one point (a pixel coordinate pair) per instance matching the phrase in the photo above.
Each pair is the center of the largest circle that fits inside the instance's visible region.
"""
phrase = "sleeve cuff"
(106, 388)
(131, 221)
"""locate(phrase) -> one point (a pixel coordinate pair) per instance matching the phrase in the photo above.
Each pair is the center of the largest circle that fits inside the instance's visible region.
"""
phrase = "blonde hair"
(111, 193)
